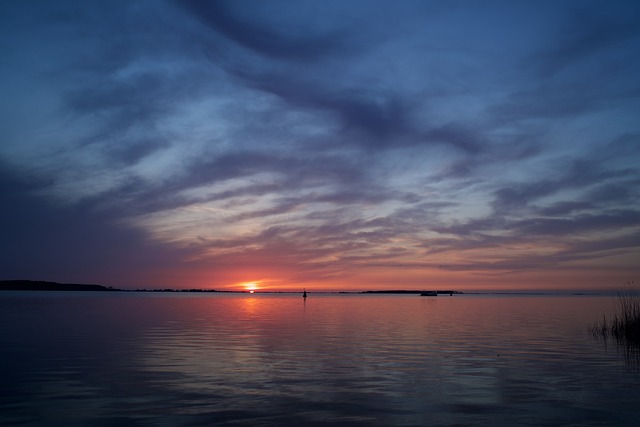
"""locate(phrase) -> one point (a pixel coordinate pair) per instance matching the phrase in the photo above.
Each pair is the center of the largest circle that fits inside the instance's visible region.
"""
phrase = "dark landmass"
(403, 291)
(179, 290)
(41, 285)
(37, 285)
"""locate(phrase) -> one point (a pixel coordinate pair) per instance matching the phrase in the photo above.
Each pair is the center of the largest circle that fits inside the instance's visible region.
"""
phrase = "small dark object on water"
(304, 294)
(429, 293)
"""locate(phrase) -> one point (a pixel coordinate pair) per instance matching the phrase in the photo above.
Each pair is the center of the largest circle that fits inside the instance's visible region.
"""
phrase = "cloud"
(44, 240)
(589, 33)
(245, 30)
(317, 140)
(579, 225)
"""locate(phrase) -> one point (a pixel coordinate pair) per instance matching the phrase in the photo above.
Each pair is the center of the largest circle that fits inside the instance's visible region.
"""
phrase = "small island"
(404, 291)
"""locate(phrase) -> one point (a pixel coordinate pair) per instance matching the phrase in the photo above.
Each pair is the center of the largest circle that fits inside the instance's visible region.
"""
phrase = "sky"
(327, 145)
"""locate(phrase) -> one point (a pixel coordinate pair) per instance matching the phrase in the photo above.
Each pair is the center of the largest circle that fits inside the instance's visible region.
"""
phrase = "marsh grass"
(623, 325)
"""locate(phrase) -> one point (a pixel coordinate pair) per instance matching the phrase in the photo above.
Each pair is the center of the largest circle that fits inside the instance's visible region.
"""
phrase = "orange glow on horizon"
(250, 286)
(407, 276)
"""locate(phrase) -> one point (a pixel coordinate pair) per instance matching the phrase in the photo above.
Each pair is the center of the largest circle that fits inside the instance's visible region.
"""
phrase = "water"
(143, 359)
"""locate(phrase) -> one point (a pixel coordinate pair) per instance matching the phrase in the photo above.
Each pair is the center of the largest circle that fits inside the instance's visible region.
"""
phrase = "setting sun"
(250, 286)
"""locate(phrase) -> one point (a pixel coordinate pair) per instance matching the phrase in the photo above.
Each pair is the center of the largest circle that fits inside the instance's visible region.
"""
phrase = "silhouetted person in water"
(304, 294)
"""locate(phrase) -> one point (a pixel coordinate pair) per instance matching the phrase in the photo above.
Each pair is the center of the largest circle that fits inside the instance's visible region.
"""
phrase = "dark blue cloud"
(240, 28)
(591, 32)
(46, 240)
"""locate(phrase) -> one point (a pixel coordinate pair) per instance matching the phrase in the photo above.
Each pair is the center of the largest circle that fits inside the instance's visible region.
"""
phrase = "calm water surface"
(142, 359)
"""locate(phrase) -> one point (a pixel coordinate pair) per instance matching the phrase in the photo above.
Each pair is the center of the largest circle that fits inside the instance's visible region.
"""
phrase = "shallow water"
(176, 359)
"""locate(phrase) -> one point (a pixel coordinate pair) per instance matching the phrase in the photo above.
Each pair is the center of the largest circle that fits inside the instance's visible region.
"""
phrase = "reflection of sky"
(391, 358)
(375, 360)
(348, 145)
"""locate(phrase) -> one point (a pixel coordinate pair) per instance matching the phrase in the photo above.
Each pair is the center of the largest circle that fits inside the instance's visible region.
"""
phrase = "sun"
(250, 286)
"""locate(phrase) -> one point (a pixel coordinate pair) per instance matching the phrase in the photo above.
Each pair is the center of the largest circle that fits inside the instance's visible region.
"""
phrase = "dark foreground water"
(129, 359)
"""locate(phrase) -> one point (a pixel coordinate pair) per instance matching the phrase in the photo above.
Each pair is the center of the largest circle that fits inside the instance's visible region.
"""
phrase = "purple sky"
(327, 144)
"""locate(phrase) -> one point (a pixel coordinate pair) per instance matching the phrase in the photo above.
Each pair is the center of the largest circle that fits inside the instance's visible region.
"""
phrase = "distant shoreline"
(42, 285)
